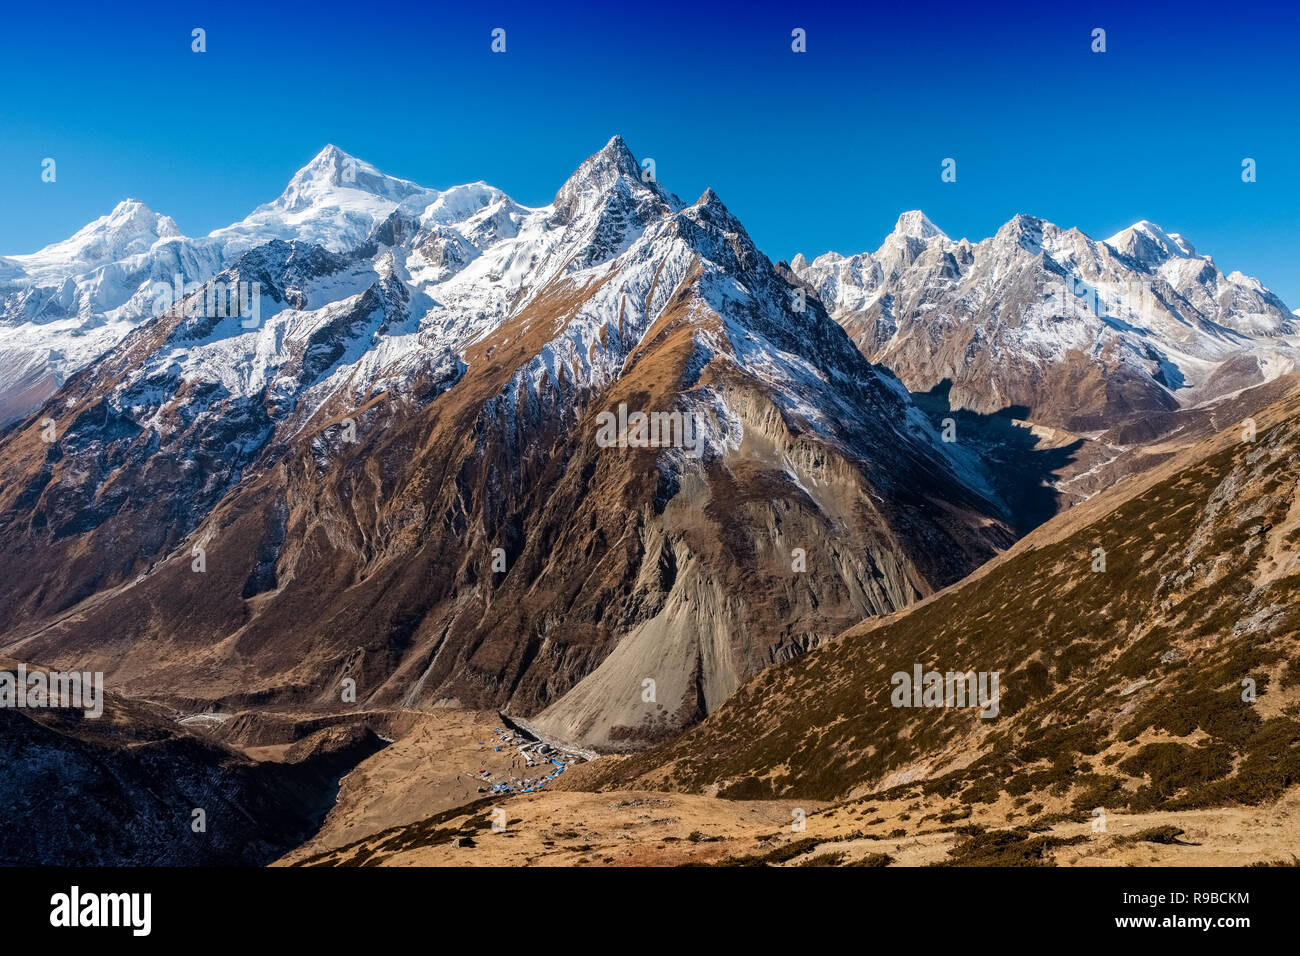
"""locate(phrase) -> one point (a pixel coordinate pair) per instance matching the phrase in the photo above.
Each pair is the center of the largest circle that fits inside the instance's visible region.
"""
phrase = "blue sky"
(812, 151)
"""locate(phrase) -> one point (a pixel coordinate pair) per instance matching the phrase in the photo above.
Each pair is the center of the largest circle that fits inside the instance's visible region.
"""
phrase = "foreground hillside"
(651, 828)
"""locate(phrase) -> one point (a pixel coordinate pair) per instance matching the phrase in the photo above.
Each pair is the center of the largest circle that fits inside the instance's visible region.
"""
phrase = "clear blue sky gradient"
(811, 151)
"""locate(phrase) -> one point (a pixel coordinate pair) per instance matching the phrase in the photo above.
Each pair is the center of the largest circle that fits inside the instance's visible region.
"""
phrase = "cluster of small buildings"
(535, 754)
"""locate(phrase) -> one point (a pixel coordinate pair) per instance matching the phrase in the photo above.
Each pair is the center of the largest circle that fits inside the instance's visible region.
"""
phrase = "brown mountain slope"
(1121, 688)
(373, 561)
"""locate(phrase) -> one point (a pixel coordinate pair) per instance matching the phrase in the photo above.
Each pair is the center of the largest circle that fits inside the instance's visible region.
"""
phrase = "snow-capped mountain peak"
(1023, 230)
(613, 170)
(131, 217)
(335, 201)
(67, 303)
(1149, 244)
(604, 166)
(1237, 277)
(917, 225)
(332, 172)
(325, 165)
(130, 229)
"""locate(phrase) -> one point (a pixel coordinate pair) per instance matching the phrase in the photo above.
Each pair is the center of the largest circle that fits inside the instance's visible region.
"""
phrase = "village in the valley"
(535, 762)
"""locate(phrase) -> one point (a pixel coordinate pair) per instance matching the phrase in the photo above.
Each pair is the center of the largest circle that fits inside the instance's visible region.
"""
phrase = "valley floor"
(419, 803)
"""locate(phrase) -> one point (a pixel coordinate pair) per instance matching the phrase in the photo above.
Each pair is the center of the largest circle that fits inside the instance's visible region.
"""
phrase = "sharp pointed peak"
(328, 165)
(613, 167)
(710, 205)
(917, 225)
(1022, 224)
(616, 143)
(615, 156)
(329, 150)
(1023, 220)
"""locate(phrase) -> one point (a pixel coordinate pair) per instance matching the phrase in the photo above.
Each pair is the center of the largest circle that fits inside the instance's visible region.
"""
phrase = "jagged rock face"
(1071, 332)
(355, 471)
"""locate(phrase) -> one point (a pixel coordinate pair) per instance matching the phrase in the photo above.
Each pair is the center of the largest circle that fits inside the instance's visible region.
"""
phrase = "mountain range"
(1085, 335)
(393, 475)
(405, 440)
(306, 487)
